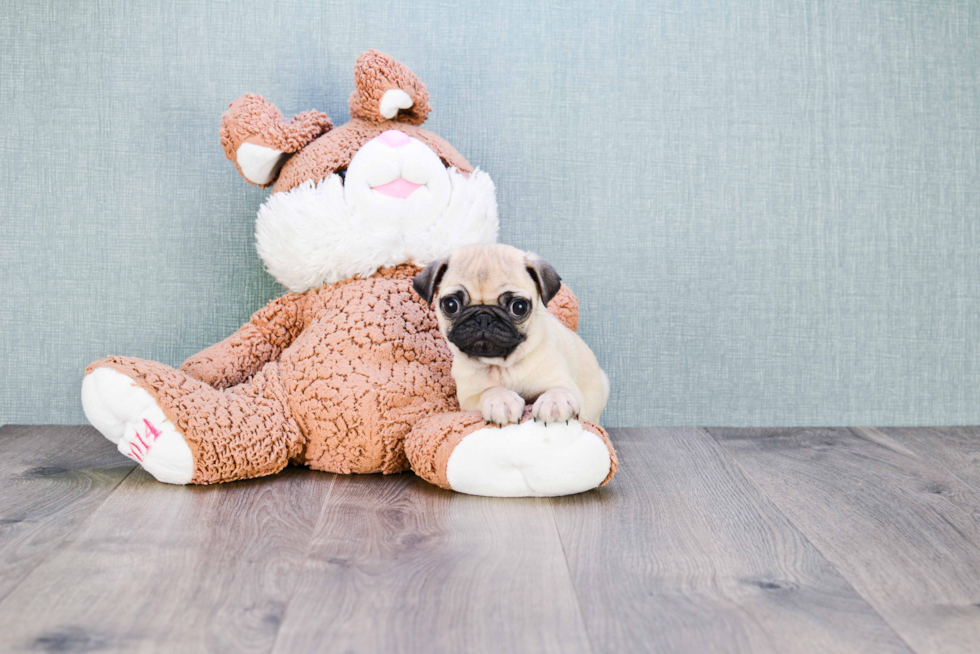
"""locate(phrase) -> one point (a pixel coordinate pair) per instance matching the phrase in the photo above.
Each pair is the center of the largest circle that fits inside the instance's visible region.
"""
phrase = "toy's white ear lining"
(259, 164)
(392, 101)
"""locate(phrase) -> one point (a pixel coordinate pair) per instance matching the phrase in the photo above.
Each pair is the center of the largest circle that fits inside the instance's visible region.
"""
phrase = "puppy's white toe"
(503, 407)
(556, 405)
(528, 460)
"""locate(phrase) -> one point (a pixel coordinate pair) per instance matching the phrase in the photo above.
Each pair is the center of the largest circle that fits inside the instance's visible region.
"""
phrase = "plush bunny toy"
(347, 373)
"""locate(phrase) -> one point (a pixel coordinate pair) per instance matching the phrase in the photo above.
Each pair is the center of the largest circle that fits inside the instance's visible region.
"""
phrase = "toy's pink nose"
(394, 138)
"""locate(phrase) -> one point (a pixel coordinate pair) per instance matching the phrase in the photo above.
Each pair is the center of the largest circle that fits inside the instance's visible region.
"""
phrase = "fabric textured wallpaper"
(769, 211)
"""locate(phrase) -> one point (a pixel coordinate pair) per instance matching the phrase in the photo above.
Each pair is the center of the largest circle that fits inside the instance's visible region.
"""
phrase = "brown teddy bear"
(347, 373)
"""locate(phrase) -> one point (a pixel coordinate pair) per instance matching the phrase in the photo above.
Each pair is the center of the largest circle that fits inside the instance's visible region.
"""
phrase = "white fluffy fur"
(320, 233)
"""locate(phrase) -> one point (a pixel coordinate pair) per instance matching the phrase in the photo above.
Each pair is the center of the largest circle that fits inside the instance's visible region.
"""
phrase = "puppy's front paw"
(556, 405)
(502, 407)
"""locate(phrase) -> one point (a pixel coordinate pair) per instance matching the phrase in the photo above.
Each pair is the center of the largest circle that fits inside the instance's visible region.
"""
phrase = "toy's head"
(376, 191)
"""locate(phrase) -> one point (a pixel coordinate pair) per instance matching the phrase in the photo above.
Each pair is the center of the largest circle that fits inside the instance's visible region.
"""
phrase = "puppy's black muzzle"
(485, 331)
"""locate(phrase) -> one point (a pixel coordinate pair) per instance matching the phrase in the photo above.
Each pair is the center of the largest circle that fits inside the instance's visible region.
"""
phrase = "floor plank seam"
(941, 465)
(882, 441)
(68, 538)
(306, 556)
(571, 578)
(804, 535)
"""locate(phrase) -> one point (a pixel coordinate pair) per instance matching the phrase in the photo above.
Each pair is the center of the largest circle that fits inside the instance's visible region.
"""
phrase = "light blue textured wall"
(770, 211)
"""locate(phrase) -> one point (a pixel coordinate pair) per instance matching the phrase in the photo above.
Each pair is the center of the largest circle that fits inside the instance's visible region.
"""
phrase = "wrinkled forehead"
(485, 277)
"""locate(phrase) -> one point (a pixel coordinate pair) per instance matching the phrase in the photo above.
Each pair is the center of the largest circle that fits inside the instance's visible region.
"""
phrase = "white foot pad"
(129, 416)
(528, 460)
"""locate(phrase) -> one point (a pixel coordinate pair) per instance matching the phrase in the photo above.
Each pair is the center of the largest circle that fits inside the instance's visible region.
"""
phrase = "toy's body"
(350, 374)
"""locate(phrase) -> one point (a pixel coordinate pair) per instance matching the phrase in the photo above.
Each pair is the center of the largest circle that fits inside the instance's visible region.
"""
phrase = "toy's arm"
(259, 341)
(565, 306)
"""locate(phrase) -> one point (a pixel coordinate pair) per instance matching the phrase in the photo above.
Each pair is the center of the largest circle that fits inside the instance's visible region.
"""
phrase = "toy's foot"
(130, 417)
(529, 460)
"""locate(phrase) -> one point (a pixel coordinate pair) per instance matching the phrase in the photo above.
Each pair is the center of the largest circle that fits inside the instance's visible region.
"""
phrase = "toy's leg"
(459, 451)
(183, 431)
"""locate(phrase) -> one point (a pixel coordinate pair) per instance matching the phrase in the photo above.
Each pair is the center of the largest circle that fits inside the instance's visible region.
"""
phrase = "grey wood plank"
(51, 480)
(172, 569)
(682, 553)
(398, 565)
(957, 449)
(904, 531)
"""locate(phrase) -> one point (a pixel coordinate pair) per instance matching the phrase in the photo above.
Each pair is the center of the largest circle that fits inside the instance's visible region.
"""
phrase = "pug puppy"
(508, 349)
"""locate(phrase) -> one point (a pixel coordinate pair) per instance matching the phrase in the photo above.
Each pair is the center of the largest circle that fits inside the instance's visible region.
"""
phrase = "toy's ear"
(258, 139)
(544, 275)
(387, 90)
(426, 283)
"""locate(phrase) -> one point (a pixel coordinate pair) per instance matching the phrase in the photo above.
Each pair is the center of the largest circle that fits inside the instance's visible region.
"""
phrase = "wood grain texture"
(903, 530)
(828, 540)
(681, 553)
(957, 449)
(51, 480)
(398, 565)
(172, 569)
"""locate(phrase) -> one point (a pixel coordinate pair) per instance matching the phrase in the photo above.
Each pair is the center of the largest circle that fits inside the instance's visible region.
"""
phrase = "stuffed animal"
(347, 373)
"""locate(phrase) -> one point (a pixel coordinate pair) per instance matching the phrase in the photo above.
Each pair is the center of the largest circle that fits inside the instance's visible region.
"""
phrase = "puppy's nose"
(394, 138)
(484, 321)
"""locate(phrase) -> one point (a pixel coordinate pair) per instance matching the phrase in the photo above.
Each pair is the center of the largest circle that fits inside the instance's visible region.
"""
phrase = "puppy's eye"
(450, 306)
(519, 307)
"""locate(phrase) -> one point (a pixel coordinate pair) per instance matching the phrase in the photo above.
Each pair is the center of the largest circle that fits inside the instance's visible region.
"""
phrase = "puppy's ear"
(545, 277)
(426, 283)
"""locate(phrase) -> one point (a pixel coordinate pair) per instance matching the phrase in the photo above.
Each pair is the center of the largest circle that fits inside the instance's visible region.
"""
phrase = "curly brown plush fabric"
(253, 119)
(262, 339)
(565, 306)
(337, 378)
(246, 431)
(374, 73)
(334, 150)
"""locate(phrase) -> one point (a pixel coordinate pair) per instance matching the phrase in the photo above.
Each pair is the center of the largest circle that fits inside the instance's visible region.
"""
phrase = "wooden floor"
(717, 540)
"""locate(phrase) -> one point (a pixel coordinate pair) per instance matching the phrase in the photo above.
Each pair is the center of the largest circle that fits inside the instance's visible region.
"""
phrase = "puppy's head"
(489, 298)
